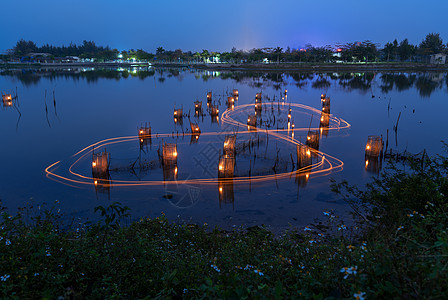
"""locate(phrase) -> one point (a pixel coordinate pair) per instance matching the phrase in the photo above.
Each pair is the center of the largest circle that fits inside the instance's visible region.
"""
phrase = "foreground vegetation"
(397, 248)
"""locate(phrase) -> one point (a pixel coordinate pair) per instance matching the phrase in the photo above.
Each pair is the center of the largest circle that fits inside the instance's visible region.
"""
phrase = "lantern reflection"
(225, 191)
(169, 161)
(373, 164)
(302, 178)
(209, 97)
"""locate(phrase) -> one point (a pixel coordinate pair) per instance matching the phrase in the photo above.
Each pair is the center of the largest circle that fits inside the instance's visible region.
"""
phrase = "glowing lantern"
(198, 107)
(258, 107)
(312, 139)
(100, 164)
(195, 130)
(374, 146)
(178, 113)
(324, 120)
(258, 96)
(6, 97)
(169, 154)
(326, 105)
(252, 120)
(226, 166)
(7, 100)
(144, 132)
(229, 144)
(322, 97)
(235, 92)
(209, 96)
(214, 111)
(303, 156)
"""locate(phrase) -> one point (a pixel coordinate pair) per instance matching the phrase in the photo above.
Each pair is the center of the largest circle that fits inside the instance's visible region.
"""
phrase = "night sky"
(219, 25)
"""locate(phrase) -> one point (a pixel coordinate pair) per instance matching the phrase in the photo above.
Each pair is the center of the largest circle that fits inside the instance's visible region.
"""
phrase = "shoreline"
(282, 67)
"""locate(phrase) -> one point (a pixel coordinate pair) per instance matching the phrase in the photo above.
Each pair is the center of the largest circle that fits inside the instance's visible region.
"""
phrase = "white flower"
(4, 277)
(258, 272)
(307, 229)
(36, 274)
(216, 268)
(360, 296)
(349, 270)
(342, 227)
(7, 242)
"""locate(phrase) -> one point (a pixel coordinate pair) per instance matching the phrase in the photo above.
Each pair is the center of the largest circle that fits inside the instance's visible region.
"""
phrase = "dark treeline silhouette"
(375, 83)
(88, 49)
(365, 51)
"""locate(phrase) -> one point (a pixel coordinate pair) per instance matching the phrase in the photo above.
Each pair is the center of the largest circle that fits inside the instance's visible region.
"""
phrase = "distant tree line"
(365, 51)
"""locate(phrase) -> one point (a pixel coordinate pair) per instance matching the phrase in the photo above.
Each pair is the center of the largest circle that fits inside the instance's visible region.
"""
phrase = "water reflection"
(425, 83)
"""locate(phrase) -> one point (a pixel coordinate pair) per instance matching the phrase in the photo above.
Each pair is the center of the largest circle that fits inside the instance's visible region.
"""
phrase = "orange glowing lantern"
(197, 106)
(169, 154)
(312, 139)
(226, 166)
(178, 113)
(209, 96)
(229, 144)
(324, 120)
(258, 97)
(322, 97)
(214, 111)
(6, 97)
(374, 146)
(326, 105)
(144, 131)
(303, 156)
(195, 130)
(252, 120)
(235, 92)
(100, 164)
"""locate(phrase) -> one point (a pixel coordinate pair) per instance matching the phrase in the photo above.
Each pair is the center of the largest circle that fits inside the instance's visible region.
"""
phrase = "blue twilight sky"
(219, 25)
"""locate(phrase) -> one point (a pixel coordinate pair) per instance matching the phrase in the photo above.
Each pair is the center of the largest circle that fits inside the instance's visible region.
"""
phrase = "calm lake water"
(59, 113)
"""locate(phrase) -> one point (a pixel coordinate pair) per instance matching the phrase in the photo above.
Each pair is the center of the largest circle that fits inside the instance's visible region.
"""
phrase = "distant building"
(438, 58)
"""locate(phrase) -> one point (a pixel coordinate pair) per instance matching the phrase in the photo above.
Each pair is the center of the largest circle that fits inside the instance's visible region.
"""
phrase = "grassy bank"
(399, 248)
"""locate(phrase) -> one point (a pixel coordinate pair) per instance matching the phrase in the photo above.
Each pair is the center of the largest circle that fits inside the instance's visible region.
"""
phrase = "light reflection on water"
(59, 113)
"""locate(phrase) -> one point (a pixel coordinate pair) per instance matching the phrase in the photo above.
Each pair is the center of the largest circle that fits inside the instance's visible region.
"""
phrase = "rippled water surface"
(59, 118)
